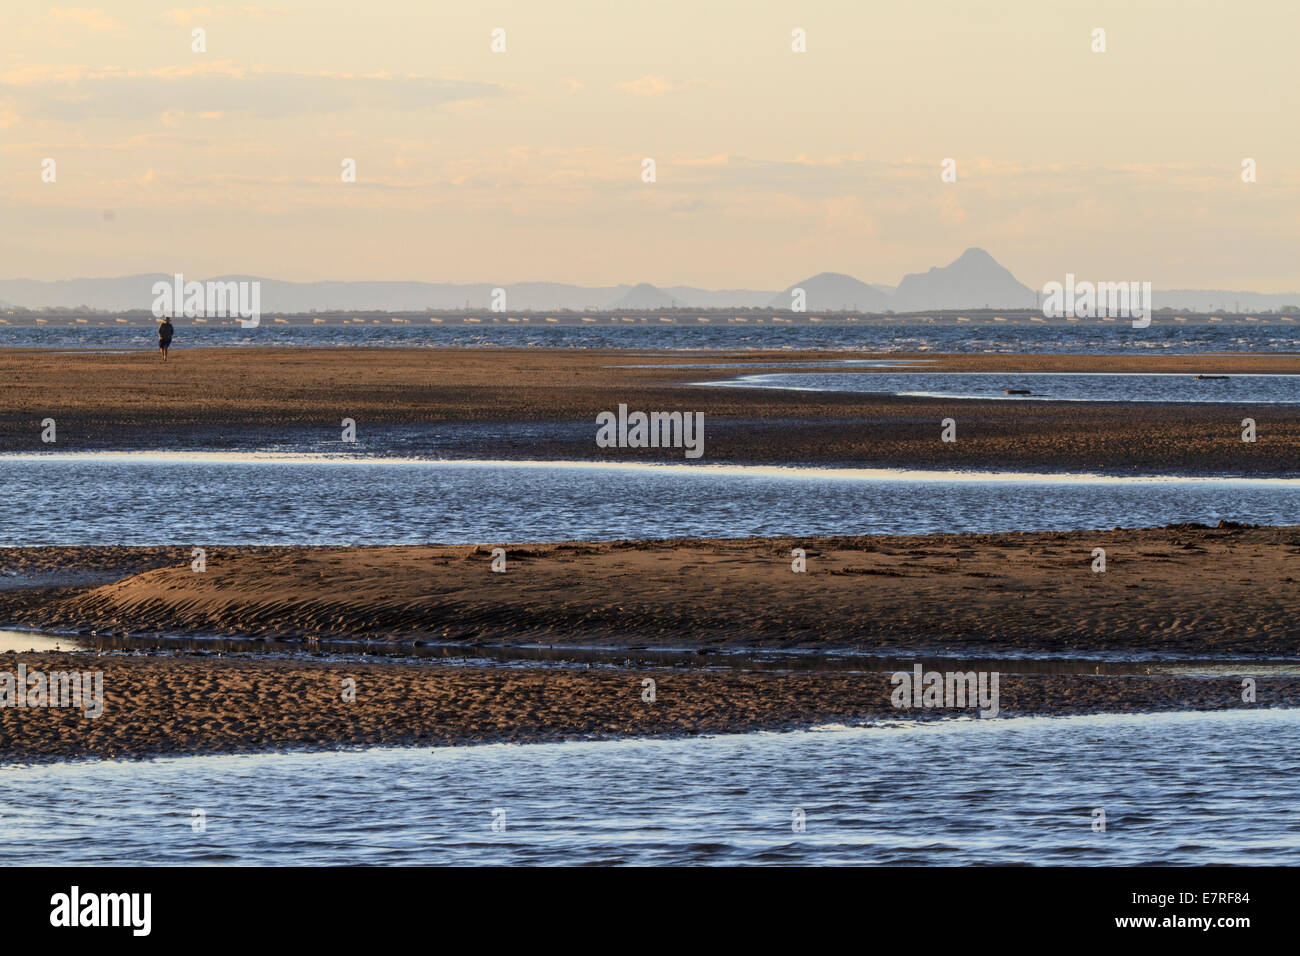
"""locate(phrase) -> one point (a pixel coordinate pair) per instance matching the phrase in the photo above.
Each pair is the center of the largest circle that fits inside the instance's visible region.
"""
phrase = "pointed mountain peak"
(973, 280)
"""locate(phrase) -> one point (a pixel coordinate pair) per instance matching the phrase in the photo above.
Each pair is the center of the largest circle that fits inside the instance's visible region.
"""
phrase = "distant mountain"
(974, 280)
(279, 296)
(646, 296)
(548, 296)
(834, 292)
(136, 292)
(721, 299)
(123, 292)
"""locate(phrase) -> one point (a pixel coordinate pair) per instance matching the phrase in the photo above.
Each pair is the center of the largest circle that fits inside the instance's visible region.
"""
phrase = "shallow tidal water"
(305, 499)
(1184, 789)
(1132, 388)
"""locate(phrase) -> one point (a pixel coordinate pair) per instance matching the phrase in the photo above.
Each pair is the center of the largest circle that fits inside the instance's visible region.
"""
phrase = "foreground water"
(1043, 386)
(300, 499)
(1164, 336)
(1184, 789)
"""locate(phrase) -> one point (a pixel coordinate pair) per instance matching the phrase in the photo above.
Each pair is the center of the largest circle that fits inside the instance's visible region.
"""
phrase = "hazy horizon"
(974, 280)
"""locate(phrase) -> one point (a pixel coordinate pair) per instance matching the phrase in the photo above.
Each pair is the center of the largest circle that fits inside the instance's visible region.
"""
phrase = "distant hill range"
(974, 280)
(646, 296)
(834, 292)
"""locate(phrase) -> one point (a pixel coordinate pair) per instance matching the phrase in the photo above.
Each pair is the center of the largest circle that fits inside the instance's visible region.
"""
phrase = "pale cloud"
(655, 86)
(951, 210)
(157, 141)
(93, 19)
(77, 94)
(846, 215)
(722, 159)
(185, 16)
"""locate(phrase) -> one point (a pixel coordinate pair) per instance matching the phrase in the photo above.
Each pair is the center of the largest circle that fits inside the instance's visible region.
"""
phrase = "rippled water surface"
(1163, 336)
(109, 499)
(1044, 386)
(1186, 789)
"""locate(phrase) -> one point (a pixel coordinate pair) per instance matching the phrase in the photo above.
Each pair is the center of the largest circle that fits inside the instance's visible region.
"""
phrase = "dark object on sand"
(1018, 391)
(165, 337)
(1211, 378)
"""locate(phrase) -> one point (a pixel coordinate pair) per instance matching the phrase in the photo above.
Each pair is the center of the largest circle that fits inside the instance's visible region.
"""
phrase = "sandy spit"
(161, 706)
(1187, 590)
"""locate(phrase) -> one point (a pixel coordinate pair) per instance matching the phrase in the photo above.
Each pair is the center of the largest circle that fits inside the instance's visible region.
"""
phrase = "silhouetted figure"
(165, 332)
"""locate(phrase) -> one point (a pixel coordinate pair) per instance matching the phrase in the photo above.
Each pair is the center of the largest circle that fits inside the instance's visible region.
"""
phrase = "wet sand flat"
(1187, 590)
(237, 397)
(160, 706)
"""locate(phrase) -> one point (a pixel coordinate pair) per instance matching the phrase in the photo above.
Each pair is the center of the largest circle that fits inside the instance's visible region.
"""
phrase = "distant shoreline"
(687, 317)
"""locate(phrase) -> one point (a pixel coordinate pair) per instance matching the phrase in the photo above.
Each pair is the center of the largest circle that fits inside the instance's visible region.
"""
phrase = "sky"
(770, 164)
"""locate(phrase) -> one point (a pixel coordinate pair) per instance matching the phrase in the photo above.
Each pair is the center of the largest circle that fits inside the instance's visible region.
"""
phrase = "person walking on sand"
(165, 332)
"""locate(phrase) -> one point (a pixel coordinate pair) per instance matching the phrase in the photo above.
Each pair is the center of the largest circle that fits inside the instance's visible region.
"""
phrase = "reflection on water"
(1043, 386)
(838, 363)
(144, 499)
(22, 641)
(949, 793)
(568, 656)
